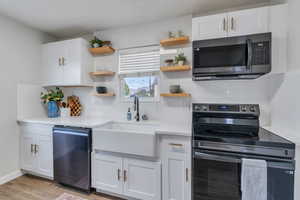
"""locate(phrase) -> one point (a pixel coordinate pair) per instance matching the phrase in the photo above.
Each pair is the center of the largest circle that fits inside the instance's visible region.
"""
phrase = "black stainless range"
(224, 135)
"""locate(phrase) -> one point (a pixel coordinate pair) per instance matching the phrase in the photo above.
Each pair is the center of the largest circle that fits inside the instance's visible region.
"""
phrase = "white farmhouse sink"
(130, 138)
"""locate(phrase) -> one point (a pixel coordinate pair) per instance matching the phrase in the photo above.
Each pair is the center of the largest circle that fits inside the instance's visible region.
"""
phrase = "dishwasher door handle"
(70, 133)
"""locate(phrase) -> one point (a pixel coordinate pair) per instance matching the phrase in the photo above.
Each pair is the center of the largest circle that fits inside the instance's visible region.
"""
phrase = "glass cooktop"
(265, 139)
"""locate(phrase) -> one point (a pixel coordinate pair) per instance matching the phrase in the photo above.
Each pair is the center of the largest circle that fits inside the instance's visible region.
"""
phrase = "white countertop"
(163, 128)
(291, 135)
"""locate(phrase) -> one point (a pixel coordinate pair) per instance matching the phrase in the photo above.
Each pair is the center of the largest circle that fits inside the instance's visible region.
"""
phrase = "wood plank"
(175, 68)
(33, 188)
(102, 73)
(110, 94)
(175, 95)
(102, 50)
(175, 41)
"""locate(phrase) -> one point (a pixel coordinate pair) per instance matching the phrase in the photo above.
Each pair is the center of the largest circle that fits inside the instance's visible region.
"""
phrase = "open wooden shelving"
(175, 68)
(102, 50)
(175, 95)
(175, 41)
(102, 73)
(110, 94)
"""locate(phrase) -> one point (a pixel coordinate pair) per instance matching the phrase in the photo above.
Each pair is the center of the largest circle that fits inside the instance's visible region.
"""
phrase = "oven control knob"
(204, 108)
(244, 109)
(197, 107)
(252, 109)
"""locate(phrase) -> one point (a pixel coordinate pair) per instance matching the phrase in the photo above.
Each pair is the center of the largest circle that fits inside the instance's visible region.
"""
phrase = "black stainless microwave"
(242, 57)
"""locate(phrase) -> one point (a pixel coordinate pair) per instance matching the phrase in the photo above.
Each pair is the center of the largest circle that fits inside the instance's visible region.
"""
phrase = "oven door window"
(216, 180)
(222, 56)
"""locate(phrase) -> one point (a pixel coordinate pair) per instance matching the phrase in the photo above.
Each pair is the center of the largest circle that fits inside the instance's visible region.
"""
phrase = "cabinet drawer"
(180, 145)
(39, 129)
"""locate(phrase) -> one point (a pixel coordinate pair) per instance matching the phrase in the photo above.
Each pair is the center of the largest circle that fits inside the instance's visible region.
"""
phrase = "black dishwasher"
(72, 148)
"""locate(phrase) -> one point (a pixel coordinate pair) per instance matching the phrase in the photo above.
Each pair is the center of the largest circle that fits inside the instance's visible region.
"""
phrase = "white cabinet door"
(72, 62)
(52, 68)
(28, 156)
(142, 179)
(249, 21)
(44, 155)
(107, 173)
(176, 169)
(208, 27)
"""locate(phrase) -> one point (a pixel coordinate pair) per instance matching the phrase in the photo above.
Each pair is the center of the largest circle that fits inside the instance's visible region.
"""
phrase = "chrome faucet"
(137, 108)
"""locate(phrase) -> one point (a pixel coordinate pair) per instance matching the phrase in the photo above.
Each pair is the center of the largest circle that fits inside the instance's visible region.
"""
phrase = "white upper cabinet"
(66, 63)
(230, 24)
(208, 27)
(249, 21)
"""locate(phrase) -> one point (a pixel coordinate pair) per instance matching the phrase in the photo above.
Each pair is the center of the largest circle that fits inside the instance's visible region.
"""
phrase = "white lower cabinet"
(176, 168)
(106, 173)
(37, 149)
(134, 178)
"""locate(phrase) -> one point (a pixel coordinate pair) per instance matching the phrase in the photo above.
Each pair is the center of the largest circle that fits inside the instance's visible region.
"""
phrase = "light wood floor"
(32, 188)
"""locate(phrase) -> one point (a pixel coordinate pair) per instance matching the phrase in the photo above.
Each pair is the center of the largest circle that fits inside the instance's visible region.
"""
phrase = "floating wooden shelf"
(102, 73)
(110, 94)
(174, 41)
(102, 50)
(175, 95)
(175, 68)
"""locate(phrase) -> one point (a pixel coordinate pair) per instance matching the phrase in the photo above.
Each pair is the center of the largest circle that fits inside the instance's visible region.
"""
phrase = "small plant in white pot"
(95, 43)
(180, 59)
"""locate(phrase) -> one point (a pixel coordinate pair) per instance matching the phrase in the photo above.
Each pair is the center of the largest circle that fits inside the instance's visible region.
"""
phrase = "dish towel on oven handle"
(254, 179)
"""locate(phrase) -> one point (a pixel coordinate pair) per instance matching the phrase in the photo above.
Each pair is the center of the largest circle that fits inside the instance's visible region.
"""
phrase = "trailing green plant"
(180, 57)
(56, 95)
(96, 41)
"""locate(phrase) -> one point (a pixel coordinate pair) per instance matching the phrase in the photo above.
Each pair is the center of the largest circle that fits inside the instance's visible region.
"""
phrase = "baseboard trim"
(10, 176)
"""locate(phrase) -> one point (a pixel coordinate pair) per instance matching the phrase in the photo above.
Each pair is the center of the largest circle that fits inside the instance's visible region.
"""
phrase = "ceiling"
(68, 18)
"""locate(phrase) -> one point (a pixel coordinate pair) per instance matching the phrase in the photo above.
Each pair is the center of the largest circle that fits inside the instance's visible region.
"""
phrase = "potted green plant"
(52, 98)
(180, 59)
(95, 43)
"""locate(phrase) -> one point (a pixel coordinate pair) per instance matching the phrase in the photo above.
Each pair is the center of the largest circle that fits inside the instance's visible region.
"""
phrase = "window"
(138, 69)
(144, 86)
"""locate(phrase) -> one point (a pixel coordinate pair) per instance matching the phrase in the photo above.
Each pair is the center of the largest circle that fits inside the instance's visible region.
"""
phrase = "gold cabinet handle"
(59, 61)
(119, 174)
(125, 175)
(176, 145)
(63, 61)
(187, 175)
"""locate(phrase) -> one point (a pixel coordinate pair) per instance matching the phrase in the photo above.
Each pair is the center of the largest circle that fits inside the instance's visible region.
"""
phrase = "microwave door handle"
(250, 54)
(216, 157)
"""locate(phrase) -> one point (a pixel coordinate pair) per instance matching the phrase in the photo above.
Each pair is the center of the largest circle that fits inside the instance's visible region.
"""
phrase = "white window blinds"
(136, 60)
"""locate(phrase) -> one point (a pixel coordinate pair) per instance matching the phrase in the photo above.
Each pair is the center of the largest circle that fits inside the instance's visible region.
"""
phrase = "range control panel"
(227, 108)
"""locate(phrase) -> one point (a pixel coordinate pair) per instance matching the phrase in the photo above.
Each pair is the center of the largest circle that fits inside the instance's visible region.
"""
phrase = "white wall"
(171, 110)
(20, 50)
(286, 97)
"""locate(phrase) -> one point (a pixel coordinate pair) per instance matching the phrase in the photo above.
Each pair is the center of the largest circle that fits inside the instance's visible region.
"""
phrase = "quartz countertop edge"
(163, 128)
(286, 133)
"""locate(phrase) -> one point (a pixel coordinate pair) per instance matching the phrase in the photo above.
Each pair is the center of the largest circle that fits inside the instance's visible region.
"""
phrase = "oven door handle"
(250, 54)
(216, 157)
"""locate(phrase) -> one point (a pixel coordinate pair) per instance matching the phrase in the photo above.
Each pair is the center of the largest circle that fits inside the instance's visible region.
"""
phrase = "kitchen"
(149, 159)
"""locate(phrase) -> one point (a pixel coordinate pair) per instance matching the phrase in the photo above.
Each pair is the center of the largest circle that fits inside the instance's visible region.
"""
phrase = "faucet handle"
(145, 117)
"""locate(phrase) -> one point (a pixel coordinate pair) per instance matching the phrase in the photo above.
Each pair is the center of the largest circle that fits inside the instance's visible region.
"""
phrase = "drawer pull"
(119, 174)
(176, 145)
(125, 175)
(187, 175)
